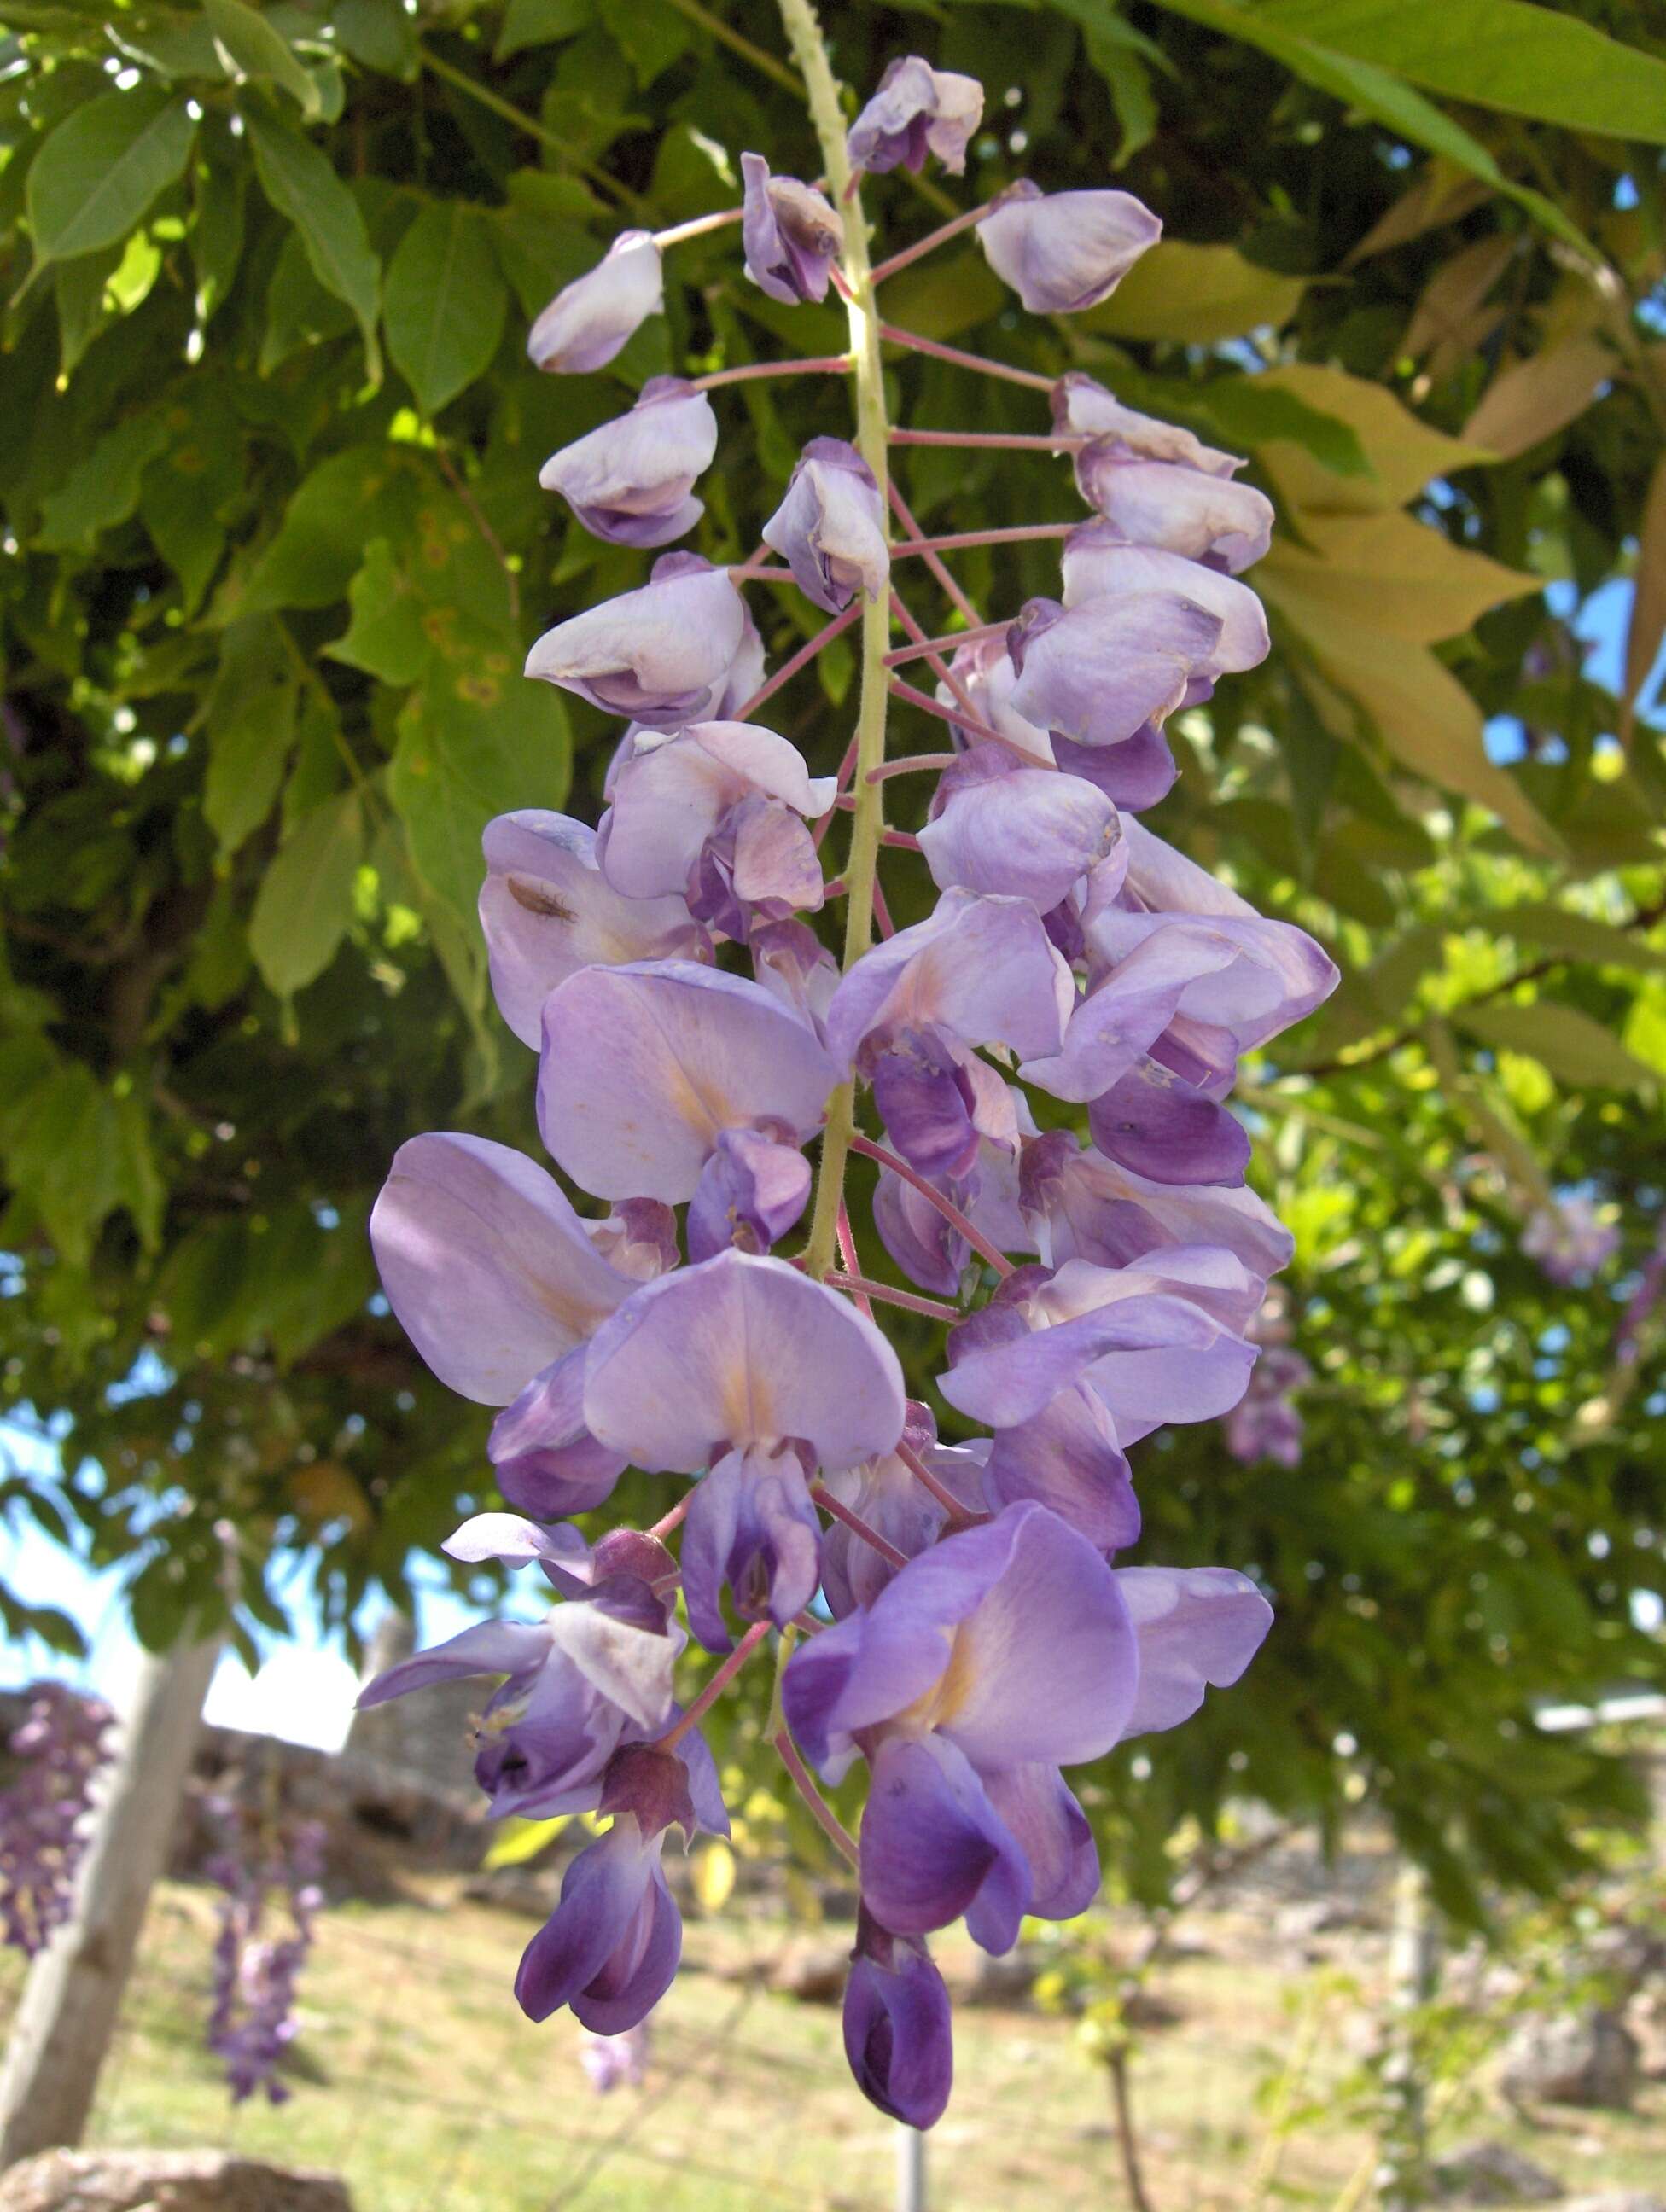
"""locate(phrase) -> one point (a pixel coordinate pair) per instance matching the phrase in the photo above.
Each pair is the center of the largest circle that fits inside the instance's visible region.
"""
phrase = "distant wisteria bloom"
(1570, 1240)
(59, 1747)
(917, 111)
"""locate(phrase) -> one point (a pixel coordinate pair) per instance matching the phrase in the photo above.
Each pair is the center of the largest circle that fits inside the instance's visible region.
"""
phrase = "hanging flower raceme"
(968, 1624)
(270, 1872)
(1570, 1240)
(58, 1747)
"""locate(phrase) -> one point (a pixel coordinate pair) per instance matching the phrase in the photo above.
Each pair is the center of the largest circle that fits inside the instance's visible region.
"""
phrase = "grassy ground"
(416, 2077)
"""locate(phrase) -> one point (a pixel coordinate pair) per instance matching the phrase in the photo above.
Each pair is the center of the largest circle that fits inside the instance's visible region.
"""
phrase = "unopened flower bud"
(632, 481)
(917, 111)
(791, 235)
(1061, 251)
(594, 316)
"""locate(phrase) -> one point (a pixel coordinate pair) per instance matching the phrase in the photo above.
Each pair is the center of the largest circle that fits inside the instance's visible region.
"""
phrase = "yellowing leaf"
(1403, 451)
(1198, 293)
(1387, 572)
(1575, 1049)
(518, 1841)
(711, 1876)
(1451, 315)
(1538, 396)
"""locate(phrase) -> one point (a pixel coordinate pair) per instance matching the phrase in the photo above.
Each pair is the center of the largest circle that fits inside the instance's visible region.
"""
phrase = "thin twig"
(911, 530)
(699, 1707)
(975, 361)
(801, 658)
(828, 1821)
(946, 1206)
(931, 241)
(911, 1301)
(824, 364)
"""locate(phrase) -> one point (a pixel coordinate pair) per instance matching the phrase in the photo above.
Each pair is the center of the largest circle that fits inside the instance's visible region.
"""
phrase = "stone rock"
(1005, 1982)
(165, 2181)
(1492, 2174)
(814, 1974)
(1617, 2200)
(1588, 2058)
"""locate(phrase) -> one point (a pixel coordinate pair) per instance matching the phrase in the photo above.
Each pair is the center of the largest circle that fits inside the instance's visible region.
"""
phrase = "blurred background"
(1385, 1925)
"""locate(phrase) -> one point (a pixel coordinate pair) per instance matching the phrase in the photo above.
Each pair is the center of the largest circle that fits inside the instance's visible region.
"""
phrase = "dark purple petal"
(1061, 251)
(934, 1847)
(631, 480)
(898, 2035)
(926, 1101)
(750, 1191)
(486, 1264)
(602, 1892)
(830, 527)
(644, 1067)
(790, 235)
(641, 1970)
(1153, 1123)
(546, 1461)
(547, 910)
(740, 1352)
(1052, 1833)
(929, 1249)
(1083, 1207)
(1194, 1625)
(917, 109)
(587, 323)
(494, 1647)
(752, 1528)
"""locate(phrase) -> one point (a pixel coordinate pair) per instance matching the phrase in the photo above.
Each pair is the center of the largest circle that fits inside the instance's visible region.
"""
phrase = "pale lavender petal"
(916, 109)
(546, 1461)
(775, 860)
(644, 1068)
(752, 1527)
(672, 792)
(492, 1647)
(1150, 1121)
(1105, 668)
(740, 1352)
(547, 910)
(790, 235)
(1155, 503)
(982, 968)
(629, 1666)
(588, 322)
(660, 654)
(486, 1264)
(1081, 407)
(929, 1249)
(1084, 1206)
(795, 966)
(750, 1191)
(934, 1847)
(925, 1099)
(1052, 1833)
(514, 1541)
(1098, 563)
(638, 1238)
(897, 2031)
(1246, 979)
(1067, 1458)
(1013, 830)
(631, 480)
(1061, 251)
(1195, 1626)
(830, 527)
(1155, 977)
(1136, 774)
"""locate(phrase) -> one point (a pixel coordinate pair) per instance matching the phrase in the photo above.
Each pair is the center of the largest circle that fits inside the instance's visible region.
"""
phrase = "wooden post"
(1414, 1974)
(71, 2001)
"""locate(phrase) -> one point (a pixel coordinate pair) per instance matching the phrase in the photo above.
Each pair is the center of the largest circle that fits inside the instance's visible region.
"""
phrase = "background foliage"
(268, 453)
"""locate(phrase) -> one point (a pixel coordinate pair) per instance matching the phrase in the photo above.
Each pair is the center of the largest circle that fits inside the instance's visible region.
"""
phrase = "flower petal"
(1098, 563)
(1195, 1626)
(1061, 251)
(1103, 669)
(491, 1647)
(1054, 1835)
(1154, 503)
(1019, 832)
(589, 321)
(830, 527)
(934, 1847)
(898, 2032)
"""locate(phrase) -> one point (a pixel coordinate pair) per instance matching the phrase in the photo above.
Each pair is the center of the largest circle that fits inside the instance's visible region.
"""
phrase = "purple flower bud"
(588, 322)
(632, 481)
(1061, 251)
(661, 654)
(792, 236)
(750, 1191)
(1099, 563)
(610, 1948)
(547, 910)
(1158, 503)
(1162, 1127)
(831, 526)
(917, 109)
(1081, 407)
(897, 2031)
(1002, 828)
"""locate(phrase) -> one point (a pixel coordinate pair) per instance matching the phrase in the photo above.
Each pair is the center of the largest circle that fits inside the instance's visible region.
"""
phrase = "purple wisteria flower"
(589, 321)
(1570, 1240)
(547, 910)
(1061, 251)
(1083, 408)
(614, 2062)
(663, 655)
(59, 1746)
(265, 1868)
(1079, 1205)
(632, 480)
(744, 1368)
(792, 236)
(672, 1081)
(830, 527)
(1100, 673)
(1099, 563)
(949, 1686)
(715, 812)
(917, 111)
(1264, 1425)
(1000, 828)
(1204, 516)
(898, 2036)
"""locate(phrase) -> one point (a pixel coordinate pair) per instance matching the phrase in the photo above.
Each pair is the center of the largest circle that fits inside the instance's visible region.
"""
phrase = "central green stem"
(868, 822)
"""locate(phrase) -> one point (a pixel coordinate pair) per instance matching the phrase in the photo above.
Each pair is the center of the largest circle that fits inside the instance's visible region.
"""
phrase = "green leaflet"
(446, 302)
(98, 173)
(301, 184)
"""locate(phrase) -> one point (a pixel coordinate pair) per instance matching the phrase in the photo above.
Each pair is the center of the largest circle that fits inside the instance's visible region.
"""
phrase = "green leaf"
(249, 716)
(1537, 61)
(386, 637)
(650, 38)
(304, 906)
(1577, 937)
(378, 33)
(99, 170)
(1202, 293)
(475, 739)
(446, 303)
(78, 288)
(1577, 1050)
(254, 49)
(303, 187)
(365, 491)
(300, 312)
(216, 235)
(939, 299)
(103, 489)
(1254, 413)
(1378, 94)
(537, 22)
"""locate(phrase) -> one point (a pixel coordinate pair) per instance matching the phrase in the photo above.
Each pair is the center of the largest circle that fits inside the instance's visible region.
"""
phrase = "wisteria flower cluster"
(945, 1615)
(271, 1872)
(58, 1747)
